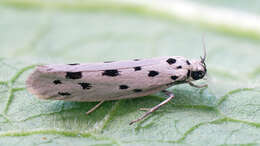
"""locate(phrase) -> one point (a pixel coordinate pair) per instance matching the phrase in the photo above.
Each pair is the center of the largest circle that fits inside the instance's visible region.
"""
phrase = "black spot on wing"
(174, 77)
(179, 67)
(137, 90)
(74, 64)
(111, 73)
(108, 61)
(73, 75)
(171, 61)
(153, 73)
(138, 68)
(57, 82)
(64, 93)
(123, 87)
(85, 85)
(136, 59)
(187, 61)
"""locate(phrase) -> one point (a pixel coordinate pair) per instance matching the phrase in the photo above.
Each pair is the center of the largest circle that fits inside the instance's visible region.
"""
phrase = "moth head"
(199, 69)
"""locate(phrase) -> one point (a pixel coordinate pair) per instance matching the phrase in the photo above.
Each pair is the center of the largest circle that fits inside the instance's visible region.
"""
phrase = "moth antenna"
(205, 50)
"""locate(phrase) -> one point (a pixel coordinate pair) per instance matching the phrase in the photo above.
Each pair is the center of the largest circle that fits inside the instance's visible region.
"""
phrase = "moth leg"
(144, 109)
(170, 96)
(197, 86)
(95, 107)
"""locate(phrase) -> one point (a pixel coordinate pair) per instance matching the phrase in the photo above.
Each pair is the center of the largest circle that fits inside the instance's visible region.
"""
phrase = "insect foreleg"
(197, 86)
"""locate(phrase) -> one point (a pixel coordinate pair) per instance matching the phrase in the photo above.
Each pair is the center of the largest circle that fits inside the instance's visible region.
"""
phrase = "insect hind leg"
(170, 96)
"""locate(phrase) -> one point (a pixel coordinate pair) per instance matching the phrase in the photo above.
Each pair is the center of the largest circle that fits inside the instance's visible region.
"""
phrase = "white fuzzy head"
(198, 70)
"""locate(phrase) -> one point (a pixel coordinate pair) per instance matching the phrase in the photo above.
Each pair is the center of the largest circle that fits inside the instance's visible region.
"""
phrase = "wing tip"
(31, 81)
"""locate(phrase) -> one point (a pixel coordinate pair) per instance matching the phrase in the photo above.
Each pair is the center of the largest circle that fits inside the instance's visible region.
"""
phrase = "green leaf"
(42, 32)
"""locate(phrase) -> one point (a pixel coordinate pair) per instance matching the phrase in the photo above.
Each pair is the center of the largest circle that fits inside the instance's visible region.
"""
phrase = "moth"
(100, 82)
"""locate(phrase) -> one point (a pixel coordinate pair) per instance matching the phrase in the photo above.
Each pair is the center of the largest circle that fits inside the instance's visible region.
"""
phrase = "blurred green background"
(42, 32)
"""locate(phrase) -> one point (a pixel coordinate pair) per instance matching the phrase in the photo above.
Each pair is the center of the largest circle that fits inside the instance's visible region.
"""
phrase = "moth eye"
(196, 75)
